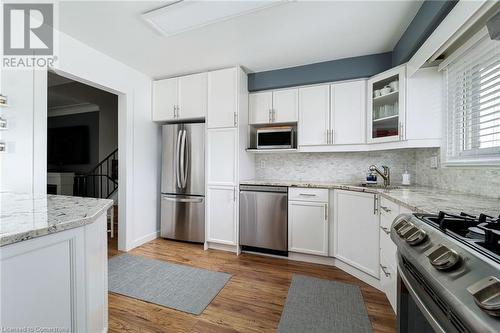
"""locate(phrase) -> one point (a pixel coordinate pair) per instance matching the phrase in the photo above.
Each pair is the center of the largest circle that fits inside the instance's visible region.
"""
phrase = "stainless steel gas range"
(448, 272)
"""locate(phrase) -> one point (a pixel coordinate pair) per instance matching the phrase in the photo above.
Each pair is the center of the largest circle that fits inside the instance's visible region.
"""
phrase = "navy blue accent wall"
(328, 71)
(428, 17)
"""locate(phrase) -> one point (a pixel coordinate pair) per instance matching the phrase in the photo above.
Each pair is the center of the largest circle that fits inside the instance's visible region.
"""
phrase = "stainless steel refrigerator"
(183, 182)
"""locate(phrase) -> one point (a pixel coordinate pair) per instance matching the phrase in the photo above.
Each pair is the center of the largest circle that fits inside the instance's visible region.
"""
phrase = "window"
(473, 105)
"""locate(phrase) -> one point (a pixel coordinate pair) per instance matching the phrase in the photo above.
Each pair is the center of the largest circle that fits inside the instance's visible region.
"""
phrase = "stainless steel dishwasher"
(264, 218)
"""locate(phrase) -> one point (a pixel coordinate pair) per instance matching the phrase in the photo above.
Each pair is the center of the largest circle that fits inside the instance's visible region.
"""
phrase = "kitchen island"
(53, 262)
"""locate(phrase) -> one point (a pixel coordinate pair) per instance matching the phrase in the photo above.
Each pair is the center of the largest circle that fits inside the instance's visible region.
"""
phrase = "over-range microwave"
(282, 137)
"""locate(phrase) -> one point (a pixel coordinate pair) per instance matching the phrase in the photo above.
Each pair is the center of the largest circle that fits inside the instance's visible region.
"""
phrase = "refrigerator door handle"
(183, 160)
(189, 200)
(177, 159)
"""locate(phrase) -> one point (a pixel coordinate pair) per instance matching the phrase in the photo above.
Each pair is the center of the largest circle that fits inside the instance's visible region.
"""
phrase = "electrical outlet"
(434, 162)
(262, 164)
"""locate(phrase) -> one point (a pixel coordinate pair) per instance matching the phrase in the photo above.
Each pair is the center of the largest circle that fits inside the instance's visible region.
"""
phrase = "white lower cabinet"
(57, 280)
(308, 224)
(388, 280)
(356, 230)
(222, 214)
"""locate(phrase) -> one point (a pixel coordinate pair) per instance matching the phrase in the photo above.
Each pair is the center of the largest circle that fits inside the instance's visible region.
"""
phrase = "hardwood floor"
(252, 301)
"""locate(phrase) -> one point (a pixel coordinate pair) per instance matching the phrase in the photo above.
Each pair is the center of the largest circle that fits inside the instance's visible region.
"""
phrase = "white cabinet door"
(357, 230)
(193, 96)
(348, 109)
(260, 105)
(314, 115)
(165, 99)
(222, 98)
(308, 227)
(221, 214)
(386, 109)
(285, 106)
(222, 147)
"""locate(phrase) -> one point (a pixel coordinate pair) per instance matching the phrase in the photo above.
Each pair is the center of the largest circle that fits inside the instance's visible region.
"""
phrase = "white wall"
(139, 138)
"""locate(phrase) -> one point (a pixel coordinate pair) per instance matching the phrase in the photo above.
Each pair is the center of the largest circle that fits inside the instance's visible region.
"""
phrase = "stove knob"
(399, 224)
(404, 229)
(416, 238)
(443, 258)
(486, 294)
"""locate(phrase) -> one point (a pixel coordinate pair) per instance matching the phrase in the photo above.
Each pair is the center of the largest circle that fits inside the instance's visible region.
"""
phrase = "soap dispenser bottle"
(406, 176)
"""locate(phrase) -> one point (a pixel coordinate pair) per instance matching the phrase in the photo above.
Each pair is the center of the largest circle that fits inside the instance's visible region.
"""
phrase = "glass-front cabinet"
(386, 106)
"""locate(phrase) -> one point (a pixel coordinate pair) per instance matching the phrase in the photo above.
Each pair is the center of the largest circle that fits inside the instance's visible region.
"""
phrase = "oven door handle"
(427, 314)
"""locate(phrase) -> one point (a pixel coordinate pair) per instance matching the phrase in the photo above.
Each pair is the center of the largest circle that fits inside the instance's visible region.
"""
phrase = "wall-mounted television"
(68, 145)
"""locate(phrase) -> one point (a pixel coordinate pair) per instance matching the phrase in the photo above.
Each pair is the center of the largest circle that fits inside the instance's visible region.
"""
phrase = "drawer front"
(388, 212)
(389, 249)
(308, 194)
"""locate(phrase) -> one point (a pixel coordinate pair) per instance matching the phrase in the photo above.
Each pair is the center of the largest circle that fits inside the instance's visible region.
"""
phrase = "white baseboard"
(222, 247)
(147, 238)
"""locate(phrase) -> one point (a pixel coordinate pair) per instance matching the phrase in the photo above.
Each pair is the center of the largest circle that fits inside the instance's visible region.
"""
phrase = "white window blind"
(473, 104)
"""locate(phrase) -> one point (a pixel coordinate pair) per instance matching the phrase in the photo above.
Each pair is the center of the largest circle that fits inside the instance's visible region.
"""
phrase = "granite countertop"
(419, 199)
(24, 216)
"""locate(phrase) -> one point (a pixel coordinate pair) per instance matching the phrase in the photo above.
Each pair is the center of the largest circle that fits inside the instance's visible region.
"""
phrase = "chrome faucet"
(386, 174)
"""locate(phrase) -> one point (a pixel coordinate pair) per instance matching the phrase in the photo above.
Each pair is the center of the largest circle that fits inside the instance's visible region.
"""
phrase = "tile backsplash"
(348, 167)
(473, 180)
(351, 167)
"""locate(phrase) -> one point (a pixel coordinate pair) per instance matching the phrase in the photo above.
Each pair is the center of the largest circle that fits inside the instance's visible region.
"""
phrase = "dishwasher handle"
(263, 188)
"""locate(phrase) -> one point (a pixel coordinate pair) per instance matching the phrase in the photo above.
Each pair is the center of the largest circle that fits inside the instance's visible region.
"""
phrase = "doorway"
(82, 143)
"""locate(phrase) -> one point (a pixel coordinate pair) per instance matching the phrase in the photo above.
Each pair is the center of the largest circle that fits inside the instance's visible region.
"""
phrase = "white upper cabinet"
(260, 106)
(222, 145)
(193, 96)
(356, 230)
(165, 93)
(285, 106)
(424, 104)
(387, 106)
(348, 110)
(222, 98)
(314, 115)
(180, 98)
(280, 106)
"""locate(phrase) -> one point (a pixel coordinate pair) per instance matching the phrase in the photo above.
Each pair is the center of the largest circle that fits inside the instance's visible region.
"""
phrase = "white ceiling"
(295, 33)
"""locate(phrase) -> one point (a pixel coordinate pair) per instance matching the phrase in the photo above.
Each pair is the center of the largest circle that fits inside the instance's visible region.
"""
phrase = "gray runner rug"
(317, 305)
(175, 286)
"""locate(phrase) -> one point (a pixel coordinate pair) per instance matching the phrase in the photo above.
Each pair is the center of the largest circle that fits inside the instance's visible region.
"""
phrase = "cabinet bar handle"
(384, 229)
(386, 209)
(307, 194)
(235, 119)
(387, 274)
(326, 213)
(270, 119)
(375, 205)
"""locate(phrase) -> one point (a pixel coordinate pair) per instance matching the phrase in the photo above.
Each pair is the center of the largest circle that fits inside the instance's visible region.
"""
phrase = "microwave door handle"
(177, 160)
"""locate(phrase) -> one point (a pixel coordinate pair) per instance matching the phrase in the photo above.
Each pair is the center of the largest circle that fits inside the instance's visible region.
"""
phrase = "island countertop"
(26, 216)
(416, 198)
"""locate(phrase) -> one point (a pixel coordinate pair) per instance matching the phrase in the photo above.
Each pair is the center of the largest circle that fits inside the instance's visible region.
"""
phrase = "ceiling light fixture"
(182, 16)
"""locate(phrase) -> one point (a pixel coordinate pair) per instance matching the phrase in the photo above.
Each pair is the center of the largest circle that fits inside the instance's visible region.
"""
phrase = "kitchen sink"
(379, 186)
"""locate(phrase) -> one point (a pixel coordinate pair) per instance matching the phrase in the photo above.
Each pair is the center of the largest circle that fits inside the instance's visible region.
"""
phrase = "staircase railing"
(101, 181)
